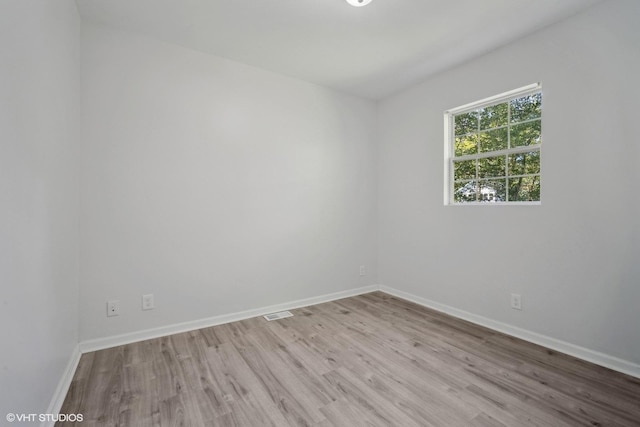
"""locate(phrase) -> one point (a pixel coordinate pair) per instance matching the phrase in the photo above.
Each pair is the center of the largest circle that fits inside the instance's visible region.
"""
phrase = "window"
(493, 149)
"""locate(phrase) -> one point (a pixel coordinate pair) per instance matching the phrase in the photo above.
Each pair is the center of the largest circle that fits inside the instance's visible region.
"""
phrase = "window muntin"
(493, 149)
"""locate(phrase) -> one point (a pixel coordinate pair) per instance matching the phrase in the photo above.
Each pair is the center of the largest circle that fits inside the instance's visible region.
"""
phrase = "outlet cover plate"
(516, 301)
(147, 302)
(113, 308)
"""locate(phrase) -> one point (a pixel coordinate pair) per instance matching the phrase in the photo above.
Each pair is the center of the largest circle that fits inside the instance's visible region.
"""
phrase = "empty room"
(320, 213)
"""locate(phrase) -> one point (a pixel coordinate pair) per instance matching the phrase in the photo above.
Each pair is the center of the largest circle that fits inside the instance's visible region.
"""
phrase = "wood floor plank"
(369, 360)
(484, 420)
(139, 402)
(344, 413)
(358, 393)
(395, 376)
(292, 397)
(243, 388)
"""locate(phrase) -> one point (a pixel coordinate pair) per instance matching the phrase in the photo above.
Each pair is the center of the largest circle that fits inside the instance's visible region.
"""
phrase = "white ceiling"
(370, 51)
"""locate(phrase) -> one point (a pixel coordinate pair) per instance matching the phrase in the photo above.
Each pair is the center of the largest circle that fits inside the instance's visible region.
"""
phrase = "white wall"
(39, 124)
(574, 259)
(216, 186)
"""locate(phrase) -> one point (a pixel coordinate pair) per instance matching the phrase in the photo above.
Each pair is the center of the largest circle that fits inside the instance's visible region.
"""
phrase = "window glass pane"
(493, 190)
(494, 116)
(491, 167)
(465, 191)
(466, 123)
(495, 148)
(525, 189)
(525, 108)
(525, 134)
(524, 163)
(466, 145)
(493, 140)
(464, 170)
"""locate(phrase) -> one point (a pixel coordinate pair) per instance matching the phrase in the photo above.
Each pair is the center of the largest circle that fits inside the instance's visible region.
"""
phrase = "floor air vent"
(278, 315)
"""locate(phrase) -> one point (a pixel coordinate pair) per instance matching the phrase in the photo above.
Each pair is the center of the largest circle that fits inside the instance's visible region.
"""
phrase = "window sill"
(495, 204)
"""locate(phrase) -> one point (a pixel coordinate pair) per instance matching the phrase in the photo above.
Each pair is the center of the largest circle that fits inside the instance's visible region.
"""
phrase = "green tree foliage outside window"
(496, 151)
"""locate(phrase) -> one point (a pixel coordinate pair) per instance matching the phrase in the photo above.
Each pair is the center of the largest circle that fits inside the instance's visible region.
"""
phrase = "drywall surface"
(39, 129)
(215, 186)
(574, 258)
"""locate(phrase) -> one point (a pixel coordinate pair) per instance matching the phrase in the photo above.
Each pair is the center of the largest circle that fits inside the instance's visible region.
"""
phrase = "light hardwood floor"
(371, 360)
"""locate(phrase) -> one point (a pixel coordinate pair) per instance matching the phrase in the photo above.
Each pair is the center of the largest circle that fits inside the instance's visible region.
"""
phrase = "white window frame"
(449, 140)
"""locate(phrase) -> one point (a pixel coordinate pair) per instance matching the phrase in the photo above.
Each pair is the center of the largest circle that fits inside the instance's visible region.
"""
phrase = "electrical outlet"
(113, 308)
(516, 301)
(147, 302)
(362, 272)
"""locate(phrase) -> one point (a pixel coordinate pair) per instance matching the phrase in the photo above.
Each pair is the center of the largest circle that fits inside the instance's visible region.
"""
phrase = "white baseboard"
(63, 385)
(611, 362)
(592, 356)
(113, 341)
